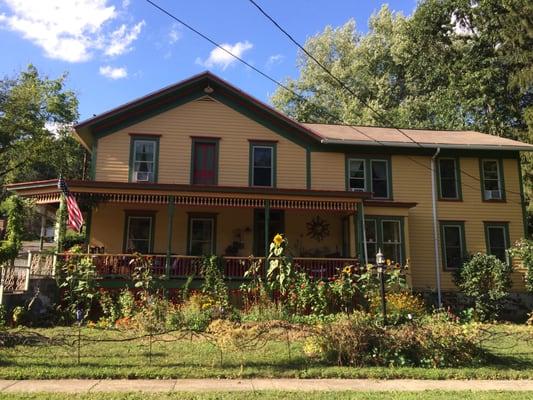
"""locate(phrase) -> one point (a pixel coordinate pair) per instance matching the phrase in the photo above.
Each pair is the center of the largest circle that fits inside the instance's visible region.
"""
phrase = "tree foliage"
(452, 64)
(9, 248)
(36, 114)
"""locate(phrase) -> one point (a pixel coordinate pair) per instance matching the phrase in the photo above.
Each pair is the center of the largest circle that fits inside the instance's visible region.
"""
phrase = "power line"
(381, 116)
(297, 95)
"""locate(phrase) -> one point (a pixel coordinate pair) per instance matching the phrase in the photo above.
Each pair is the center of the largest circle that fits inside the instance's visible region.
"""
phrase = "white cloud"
(120, 39)
(113, 73)
(69, 30)
(126, 3)
(219, 58)
(174, 34)
(275, 59)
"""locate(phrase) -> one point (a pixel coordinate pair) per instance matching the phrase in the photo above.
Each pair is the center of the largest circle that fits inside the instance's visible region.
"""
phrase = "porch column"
(43, 227)
(88, 224)
(359, 228)
(170, 215)
(267, 223)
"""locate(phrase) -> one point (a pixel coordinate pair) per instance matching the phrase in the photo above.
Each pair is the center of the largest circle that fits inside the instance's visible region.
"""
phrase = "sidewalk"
(222, 385)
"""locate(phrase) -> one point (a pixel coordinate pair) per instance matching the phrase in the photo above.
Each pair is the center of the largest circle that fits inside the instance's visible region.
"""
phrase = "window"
(371, 232)
(262, 165)
(201, 235)
(385, 233)
(453, 244)
(492, 180)
(204, 164)
(365, 174)
(139, 234)
(497, 237)
(391, 239)
(357, 174)
(380, 181)
(448, 179)
(143, 159)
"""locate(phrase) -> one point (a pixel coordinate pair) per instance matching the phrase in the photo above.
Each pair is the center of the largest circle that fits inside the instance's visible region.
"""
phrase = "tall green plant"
(487, 282)
(281, 272)
(10, 248)
(524, 250)
(214, 285)
(77, 279)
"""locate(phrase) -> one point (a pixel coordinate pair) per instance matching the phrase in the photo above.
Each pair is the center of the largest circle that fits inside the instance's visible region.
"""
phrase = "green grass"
(268, 395)
(510, 357)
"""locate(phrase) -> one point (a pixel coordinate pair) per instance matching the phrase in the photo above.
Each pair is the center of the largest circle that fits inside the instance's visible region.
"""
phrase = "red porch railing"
(119, 265)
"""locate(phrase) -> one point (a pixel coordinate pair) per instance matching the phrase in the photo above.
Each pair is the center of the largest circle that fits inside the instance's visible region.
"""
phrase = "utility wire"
(381, 116)
(297, 95)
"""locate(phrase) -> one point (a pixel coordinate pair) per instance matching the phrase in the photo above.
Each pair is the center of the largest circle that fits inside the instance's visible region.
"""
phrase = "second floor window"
(372, 175)
(448, 179)
(380, 178)
(204, 162)
(262, 168)
(144, 160)
(491, 178)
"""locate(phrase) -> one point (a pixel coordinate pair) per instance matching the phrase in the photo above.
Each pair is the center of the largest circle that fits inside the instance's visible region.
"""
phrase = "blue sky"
(117, 50)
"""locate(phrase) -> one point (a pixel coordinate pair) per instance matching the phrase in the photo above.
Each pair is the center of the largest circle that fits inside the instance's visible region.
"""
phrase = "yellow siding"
(327, 171)
(201, 118)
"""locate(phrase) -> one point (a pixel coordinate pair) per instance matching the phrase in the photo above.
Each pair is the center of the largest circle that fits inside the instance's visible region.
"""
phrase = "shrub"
(197, 312)
(524, 250)
(110, 308)
(152, 317)
(3, 316)
(359, 340)
(401, 306)
(126, 303)
(18, 315)
(487, 282)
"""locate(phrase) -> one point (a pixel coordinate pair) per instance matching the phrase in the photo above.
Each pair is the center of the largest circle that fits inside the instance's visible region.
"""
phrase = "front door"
(276, 225)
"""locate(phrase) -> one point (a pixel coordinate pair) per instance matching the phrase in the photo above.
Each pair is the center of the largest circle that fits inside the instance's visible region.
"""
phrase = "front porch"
(175, 226)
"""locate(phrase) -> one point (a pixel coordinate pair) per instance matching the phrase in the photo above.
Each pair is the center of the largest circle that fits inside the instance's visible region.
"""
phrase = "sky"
(117, 50)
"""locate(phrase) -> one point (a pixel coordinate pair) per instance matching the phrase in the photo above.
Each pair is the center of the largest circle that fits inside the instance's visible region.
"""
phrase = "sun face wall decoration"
(317, 229)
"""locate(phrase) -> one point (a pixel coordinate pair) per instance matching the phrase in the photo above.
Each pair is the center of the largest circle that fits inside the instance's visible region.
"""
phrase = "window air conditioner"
(142, 176)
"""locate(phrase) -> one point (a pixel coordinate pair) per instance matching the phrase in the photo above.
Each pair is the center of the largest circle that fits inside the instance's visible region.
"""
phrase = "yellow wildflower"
(278, 239)
(347, 269)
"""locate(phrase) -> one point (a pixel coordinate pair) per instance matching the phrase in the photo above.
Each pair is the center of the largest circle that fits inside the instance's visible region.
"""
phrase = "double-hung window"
(449, 184)
(201, 235)
(492, 180)
(385, 233)
(497, 238)
(263, 164)
(453, 244)
(357, 174)
(139, 233)
(143, 159)
(204, 162)
(380, 178)
(365, 174)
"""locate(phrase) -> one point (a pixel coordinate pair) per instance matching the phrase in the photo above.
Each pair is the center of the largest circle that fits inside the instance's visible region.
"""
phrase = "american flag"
(75, 218)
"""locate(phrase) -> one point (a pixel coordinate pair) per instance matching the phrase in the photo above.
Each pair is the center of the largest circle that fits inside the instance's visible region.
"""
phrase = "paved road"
(203, 385)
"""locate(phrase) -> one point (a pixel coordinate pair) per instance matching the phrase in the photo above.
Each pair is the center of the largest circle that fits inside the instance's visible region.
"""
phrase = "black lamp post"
(381, 272)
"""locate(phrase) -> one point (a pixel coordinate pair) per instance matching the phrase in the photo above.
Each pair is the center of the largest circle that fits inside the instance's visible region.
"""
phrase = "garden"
(279, 323)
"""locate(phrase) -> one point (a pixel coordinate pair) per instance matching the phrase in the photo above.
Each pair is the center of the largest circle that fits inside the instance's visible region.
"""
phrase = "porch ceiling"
(45, 192)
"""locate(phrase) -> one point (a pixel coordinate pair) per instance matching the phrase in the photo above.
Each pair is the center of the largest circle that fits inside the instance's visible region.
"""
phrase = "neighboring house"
(201, 168)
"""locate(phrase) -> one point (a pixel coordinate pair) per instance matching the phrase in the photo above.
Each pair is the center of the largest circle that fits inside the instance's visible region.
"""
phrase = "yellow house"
(201, 168)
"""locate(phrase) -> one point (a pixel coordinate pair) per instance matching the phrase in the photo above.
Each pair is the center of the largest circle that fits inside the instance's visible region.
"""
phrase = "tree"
(36, 114)
(453, 64)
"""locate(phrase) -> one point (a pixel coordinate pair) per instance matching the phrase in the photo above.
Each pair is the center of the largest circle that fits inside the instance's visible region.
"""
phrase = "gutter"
(436, 146)
(435, 227)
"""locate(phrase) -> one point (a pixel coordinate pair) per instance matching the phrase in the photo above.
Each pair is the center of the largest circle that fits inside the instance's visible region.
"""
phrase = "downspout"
(435, 227)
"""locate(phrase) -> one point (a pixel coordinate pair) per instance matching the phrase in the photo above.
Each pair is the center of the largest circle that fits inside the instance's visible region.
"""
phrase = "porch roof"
(45, 192)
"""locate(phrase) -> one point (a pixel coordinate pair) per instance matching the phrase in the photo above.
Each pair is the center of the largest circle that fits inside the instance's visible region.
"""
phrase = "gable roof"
(209, 84)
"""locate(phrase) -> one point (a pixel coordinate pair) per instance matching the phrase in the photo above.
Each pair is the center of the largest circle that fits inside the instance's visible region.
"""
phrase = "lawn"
(509, 349)
(268, 395)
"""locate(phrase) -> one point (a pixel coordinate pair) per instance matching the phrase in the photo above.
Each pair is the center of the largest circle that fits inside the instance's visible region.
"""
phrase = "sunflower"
(278, 239)
(347, 269)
